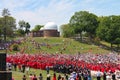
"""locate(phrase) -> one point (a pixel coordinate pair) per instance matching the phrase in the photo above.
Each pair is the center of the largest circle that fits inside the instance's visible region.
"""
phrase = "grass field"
(18, 75)
(59, 45)
(55, 45)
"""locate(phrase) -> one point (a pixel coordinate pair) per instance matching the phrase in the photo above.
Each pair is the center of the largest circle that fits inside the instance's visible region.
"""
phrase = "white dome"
(50, 26)
(42, 28)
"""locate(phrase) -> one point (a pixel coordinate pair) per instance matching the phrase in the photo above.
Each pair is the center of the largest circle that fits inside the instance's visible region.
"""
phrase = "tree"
(37, 27)
(84, 21)
(20, 32)
(0, 26)
(23, 26)
(7, 24)
(67, 31)
(91, 24)
(5, 12)
(76, 23)
(27, 28)
(109, 29)
(117, 41)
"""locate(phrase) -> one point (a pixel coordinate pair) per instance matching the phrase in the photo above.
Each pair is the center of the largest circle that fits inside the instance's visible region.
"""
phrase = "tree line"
(105, 28)
(84, 23)
(8, 26)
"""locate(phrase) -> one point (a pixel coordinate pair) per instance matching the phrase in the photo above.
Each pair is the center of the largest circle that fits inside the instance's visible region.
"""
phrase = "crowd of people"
(95, 62)
(66, 63)
(81, 64)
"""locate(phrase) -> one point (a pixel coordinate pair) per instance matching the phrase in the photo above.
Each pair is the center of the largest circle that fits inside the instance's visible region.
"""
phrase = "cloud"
(56, 11)
(59, 11)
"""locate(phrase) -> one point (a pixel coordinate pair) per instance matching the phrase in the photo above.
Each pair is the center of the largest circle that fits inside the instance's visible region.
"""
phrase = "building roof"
(42, 28)
(50, 26)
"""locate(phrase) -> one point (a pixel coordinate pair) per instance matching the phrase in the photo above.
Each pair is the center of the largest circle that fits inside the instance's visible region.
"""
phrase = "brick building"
(49, 30)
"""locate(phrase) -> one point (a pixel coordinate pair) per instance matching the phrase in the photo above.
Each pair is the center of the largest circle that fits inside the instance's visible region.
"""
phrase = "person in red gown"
(54, 77)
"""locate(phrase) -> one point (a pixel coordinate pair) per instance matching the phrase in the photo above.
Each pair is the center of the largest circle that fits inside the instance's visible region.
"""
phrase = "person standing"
(47, 69)
(66, 76)
(31, 77)
(89, 76)
(34, 78)
(104, 76)
(12, 78)
(54, 77)
(15, 66)
(40, 77)
(113, 76)
(23, 68)
(24, 77)
(48, 77)
(27, 70)
(98, 75)
(59, 77)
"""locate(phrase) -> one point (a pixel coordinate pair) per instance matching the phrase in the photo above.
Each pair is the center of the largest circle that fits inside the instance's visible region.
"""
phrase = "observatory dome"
(42, 28)
(50, 26)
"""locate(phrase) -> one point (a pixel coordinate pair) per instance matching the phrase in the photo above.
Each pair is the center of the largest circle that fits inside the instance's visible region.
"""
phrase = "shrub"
(15, 47)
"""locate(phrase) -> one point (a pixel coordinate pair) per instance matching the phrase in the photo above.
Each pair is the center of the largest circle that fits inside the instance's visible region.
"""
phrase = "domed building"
(49, 30)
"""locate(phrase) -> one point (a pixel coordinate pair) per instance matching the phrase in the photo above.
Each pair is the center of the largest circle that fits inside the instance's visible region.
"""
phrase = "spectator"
(77, 77)
(15, 66)
(47, 69)
(59, 77)
(104, 76)
(24, 77)
(113, 76)
(89, 77)
(23, 68)
(12, 78)
(31, 77)
(66, 76)
(54, 77)
(98, 75)
(27, 70)
(40, 77)
(48, 77)
(34, 77)
(62, 78)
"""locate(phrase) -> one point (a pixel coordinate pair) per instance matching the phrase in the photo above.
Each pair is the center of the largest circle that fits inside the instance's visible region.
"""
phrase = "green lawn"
(56, 45)
(59, 45)
(18, 75)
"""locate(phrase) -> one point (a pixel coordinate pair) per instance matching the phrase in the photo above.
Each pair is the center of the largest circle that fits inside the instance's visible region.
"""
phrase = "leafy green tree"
(37, 27)
(76, 23)
(23, 26)
(109, 29)
(67, 31)
(7, 24)
(27, 28)
(0, 26)
(5, 12)
(20, 32)
(91, 24)
(117, 41)
(84, 21)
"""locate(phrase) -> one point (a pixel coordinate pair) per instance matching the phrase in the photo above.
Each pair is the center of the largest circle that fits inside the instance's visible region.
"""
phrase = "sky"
(59, 11)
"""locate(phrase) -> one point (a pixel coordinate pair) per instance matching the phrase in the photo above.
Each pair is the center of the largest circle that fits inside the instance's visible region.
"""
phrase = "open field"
(18, 75)
(58, 45)
(53, 45)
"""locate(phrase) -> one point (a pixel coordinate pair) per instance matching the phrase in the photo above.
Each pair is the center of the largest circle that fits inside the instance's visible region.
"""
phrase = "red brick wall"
(45, 33)
(51, 33)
